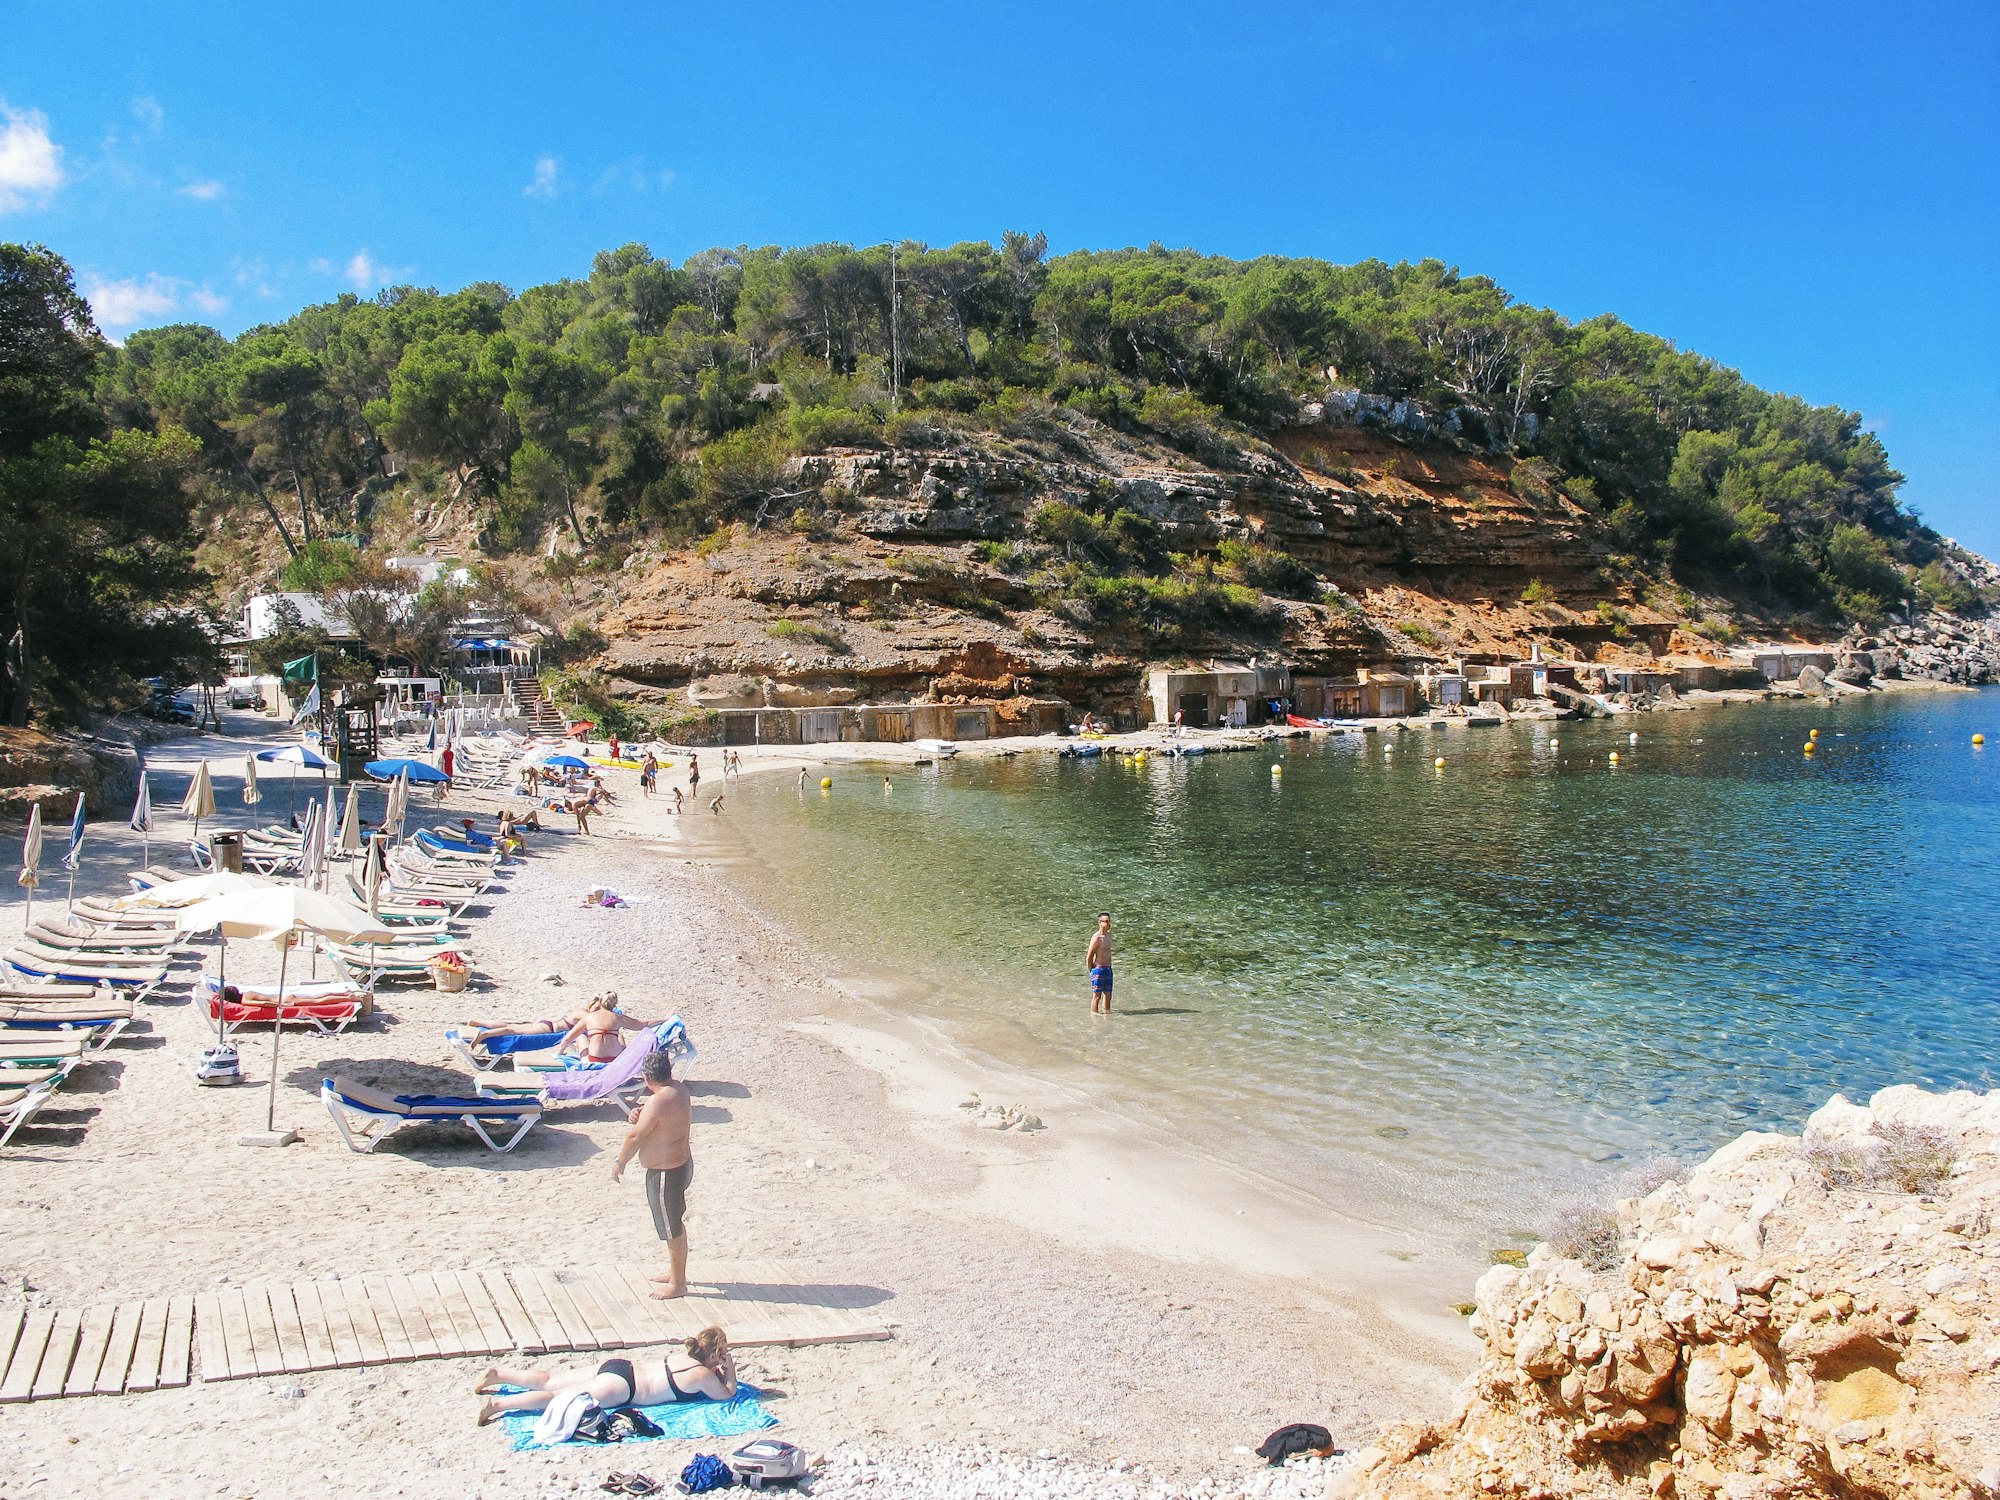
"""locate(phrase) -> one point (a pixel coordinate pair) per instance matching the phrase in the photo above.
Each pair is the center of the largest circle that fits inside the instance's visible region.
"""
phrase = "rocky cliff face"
(890, 579)
(1815, 1316)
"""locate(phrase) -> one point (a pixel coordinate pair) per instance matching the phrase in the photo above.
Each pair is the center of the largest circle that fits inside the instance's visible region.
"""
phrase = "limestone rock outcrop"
(1802, 1316)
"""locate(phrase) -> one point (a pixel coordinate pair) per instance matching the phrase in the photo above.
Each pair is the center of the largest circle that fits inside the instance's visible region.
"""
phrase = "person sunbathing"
(559, 1026)
(600, 1030)
(702, 1367)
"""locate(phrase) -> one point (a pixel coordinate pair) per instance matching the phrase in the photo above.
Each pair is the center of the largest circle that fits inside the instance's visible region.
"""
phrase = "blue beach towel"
(679, 1420)
(500, 1046)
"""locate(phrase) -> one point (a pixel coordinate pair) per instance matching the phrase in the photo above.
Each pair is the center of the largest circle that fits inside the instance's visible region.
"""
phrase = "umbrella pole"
(277, 1030)
(69, 902)
(221, 984)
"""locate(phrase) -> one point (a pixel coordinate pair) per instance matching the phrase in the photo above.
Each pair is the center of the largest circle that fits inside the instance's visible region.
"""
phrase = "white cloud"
(633, 176)
(30, 162)
(126, 303)
(146, 110)
(365, 273)
(544, 184)
(207, 190)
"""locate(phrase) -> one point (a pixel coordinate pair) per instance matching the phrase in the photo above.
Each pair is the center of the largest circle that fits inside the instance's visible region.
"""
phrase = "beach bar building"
(1222, 695)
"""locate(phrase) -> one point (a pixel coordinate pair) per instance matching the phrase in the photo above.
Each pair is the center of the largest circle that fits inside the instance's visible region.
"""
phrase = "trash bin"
(225, 851)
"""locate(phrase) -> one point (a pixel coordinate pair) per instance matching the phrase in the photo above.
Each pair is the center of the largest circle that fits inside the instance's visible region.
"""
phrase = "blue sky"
(1809, 192)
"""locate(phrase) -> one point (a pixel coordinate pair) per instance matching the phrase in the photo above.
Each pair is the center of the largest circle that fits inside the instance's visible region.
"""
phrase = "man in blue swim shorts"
(1098, 960)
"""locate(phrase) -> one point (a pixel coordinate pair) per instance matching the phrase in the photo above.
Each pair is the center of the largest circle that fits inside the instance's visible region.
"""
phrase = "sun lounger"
(102, 958)
(403, 867)
(110, 940)
(67, 969)
(382, 1113)
(328, 1006)
(48, 994)
(18, 1106)
(96, 1026)
(25, 1049)
(108, 918)
(390, 961)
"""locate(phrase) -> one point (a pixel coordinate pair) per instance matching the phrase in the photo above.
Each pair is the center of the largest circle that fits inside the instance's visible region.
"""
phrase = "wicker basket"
(449, 979)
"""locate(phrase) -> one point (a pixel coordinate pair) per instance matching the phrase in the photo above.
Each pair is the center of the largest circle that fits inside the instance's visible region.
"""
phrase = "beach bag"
(705, 1472)
(1295, 1438)
(768, 1461)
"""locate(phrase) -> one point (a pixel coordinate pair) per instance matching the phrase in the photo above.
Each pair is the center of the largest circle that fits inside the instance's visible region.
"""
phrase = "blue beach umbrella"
(567, 760)
(294, 755)
(416, 770)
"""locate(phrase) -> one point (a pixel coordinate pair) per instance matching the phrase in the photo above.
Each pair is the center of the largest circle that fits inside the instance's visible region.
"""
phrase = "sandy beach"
(1088, 1292)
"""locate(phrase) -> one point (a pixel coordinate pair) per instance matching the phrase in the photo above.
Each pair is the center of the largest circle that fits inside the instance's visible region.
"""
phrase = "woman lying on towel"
(704, 1367)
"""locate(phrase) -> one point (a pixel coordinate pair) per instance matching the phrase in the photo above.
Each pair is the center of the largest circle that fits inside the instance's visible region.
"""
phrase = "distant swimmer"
(1097, 959)
(802, 778)
(885, 785)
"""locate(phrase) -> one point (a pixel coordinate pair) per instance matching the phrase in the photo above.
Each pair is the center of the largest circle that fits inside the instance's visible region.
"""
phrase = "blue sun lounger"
(382, 1112)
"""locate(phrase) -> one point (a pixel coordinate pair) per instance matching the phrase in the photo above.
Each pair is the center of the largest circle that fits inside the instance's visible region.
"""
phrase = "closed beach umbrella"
(350, 823)
(306, 837)
(329, 828)
(251, 796)
(73, 855)
(142, 816)
(275, 914)
(399, 805)
(31, 857)
(371, 877)
(199, 802)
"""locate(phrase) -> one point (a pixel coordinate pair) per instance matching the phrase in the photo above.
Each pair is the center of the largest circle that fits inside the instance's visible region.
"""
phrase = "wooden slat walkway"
(274, 1327)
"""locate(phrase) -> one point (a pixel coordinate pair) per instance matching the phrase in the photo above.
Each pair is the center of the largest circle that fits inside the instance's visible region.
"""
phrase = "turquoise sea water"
(1445, 993)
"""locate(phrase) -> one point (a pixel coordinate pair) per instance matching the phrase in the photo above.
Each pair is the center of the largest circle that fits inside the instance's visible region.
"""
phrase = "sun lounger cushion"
(64, 1012)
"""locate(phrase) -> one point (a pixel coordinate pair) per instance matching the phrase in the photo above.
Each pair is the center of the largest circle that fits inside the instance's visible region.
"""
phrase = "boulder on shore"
(1802, 1316)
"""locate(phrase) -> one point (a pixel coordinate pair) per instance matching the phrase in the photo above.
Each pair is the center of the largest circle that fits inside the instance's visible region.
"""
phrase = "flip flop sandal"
(643, 1484)
(615, 1482)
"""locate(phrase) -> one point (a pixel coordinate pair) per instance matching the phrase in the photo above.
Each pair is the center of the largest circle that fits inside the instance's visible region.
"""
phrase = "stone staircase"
(542, 716)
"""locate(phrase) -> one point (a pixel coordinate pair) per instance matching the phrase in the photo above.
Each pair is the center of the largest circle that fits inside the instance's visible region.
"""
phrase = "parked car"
(241, 695)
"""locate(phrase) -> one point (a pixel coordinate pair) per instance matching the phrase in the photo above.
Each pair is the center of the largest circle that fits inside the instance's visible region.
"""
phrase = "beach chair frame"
(378, 1123)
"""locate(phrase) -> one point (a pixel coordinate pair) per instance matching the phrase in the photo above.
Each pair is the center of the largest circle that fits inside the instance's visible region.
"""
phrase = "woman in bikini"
(600, 1029)
(561, 1024)
(703, 1367)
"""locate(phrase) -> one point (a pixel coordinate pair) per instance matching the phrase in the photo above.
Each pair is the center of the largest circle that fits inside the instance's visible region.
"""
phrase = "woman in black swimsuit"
(702, 1368)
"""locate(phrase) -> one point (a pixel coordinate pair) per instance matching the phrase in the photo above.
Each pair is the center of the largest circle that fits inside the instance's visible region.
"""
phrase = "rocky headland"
(1813, 1315)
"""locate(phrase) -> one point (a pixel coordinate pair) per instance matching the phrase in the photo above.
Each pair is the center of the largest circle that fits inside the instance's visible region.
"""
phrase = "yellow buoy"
(1277, 770)
(1979, 739)
(1810, 747)
(825, 783)
(1614, 757)
(1555, 744)
(1812, 734)
(1439, 762)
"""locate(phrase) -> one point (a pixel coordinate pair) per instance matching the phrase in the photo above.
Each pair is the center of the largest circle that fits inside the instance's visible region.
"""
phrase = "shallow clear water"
(1444, 994)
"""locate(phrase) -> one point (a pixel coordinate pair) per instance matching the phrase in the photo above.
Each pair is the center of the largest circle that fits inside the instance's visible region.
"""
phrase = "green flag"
(305, 669)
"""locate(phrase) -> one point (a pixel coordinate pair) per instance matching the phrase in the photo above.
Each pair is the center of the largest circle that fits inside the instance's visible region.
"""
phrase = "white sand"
(1084, 1290)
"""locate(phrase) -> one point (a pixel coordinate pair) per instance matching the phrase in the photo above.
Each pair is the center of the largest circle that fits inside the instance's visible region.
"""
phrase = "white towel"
(562, 1416)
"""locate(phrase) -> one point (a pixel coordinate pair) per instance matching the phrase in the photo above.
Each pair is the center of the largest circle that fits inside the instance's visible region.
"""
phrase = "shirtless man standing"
(659, 1138)
(1097, 959)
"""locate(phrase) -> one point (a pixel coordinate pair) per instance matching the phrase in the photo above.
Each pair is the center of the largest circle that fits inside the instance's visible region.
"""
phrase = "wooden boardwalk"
(283, 1328)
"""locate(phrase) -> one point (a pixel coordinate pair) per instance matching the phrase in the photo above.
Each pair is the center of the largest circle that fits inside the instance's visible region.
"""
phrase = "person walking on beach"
(649, 771)
(1097, 959)
(694, 773)
(659, 1138)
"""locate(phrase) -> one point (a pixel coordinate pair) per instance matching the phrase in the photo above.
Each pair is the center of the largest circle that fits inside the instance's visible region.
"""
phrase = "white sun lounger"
(380, 1113)
(18, 1106)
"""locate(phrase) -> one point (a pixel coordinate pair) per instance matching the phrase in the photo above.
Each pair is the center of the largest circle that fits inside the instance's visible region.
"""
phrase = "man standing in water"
(659, 1137)
(1097, 959)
